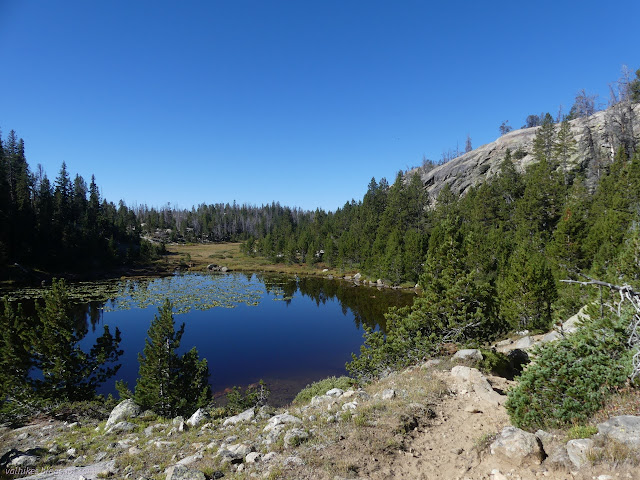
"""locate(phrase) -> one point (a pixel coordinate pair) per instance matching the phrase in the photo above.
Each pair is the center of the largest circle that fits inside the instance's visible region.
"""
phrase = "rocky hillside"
(442, 419)
(598, 136)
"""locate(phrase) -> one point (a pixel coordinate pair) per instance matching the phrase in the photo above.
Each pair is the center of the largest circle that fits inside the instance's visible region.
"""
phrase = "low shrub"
(495, 363)
(570, 379)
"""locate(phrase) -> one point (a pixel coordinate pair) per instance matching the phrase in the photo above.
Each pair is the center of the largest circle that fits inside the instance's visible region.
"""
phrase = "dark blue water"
(285, 331)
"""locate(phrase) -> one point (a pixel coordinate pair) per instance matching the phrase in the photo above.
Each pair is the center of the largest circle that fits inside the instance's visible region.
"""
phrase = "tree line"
(60, 225)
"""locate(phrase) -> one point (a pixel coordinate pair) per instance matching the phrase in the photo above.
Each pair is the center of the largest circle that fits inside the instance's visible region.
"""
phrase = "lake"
(284, 330)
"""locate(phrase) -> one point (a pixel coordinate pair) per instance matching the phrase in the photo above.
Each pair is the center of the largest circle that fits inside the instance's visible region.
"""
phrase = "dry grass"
(230, 256)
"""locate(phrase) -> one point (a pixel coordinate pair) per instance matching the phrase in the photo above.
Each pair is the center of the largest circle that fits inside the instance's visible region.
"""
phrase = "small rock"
(431, 363)
(350, 406)
(121, 427)
(180, 472)
(24, 461)
(335, 392)
(388, 394)
(269, 457)
(253, 457)
(467, 355)
(245, 416)
(578, 450)
(190, 459)
(295, 461)
(281, 419)
(72, 453)
(517, 447)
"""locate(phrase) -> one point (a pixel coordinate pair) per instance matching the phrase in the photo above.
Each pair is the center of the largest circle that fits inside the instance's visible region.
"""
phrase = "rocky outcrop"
(596, 142)
(623, 429)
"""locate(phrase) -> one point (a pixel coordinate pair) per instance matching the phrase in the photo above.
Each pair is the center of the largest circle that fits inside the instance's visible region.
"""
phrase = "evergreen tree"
(564, 147)
(543, 143)
(68, 372)
(170, 384)
(527, 290)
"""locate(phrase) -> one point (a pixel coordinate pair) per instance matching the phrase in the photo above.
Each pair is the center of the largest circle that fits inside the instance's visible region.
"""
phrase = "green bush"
(321, 387)
(570, 379)
(495, 363)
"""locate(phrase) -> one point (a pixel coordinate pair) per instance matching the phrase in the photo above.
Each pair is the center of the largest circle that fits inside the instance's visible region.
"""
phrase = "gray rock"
(269, 457)
(24, 461)
(74, 473)
(350, 406)
(245, 416)
(431, 363)
(190, 459)
(572, 324)
(578, 449)
(295, 437)
(551, 337)
(234, 453)
(180, 472)
(517, 447)
(558, 458)
(334, 392)
(523, 343)
(294, 461)
(281, 419)
(320, 399)
(274, 434)
(253, 457)
(198, 417)
(379, 282)
(467, 355)
(479, 384)
(121, 427)
(357, 276)
(624, 429)
(152, 428)
(124, 410)
(545, 439)
(388, 394)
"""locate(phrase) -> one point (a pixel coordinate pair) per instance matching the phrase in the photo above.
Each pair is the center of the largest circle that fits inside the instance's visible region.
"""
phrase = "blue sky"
(300, 102)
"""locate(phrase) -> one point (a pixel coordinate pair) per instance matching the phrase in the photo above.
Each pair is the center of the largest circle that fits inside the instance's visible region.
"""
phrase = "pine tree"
(170, 384)
(564, 147)
(527, 290)
(543, 142)
(68, 372)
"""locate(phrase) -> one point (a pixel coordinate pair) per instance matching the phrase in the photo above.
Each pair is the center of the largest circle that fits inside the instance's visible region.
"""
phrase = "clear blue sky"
(300, 102)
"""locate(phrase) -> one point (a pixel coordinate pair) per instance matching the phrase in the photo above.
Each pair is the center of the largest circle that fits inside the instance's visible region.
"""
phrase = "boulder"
(281, 419)
(357, 276)
(517, 447)
(624, 429)
(190, 459)
(198, 417)
(572, 324)
(558, 458)
(468, 355)
(245, 416)
(180, 472)
(388, 394)
(479, 384)
(335, 392)
(274, 434)
(124, 410)
(121, 427)
(320, 399)
(578, 449)
(253, 457)
(523, 343)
